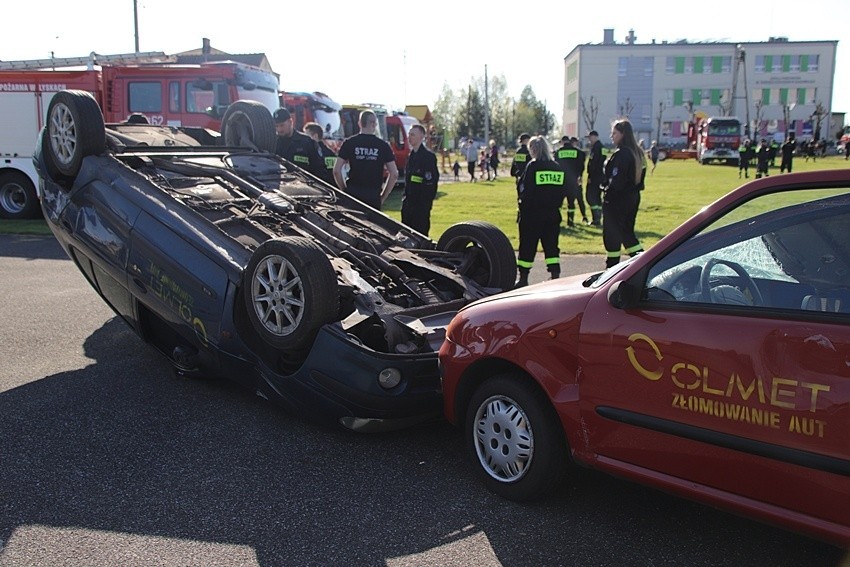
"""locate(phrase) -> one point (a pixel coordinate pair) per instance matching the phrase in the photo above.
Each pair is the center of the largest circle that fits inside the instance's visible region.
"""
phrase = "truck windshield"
(724, 128)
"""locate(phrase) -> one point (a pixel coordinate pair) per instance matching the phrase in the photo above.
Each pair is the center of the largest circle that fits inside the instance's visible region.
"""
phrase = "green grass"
(676, 191)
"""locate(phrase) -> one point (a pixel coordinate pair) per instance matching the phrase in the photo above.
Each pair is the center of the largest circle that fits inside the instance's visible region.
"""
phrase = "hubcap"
(63, 133)
(278, 295)
(504, 440)
(13, 198)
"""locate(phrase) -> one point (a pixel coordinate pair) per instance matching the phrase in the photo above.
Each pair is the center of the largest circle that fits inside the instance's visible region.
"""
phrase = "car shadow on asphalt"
(31, 247)
(125, 446)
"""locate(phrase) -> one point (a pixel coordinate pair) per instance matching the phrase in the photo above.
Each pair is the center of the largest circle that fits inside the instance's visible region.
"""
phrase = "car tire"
(74, 131)
(247, 123)
(662, 155)
(18, 199)
(514, 439)
(485, 253)
(289, 291)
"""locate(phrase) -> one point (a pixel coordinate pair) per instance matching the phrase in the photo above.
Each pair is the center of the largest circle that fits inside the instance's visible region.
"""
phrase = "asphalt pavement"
(109, 459)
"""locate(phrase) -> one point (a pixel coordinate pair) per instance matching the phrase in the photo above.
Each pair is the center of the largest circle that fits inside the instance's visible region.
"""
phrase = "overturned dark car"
(235, 263)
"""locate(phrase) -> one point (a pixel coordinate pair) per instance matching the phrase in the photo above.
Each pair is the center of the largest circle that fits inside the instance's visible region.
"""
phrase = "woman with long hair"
(624, 175)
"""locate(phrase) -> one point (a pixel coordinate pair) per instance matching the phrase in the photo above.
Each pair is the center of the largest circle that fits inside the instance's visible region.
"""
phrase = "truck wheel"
(247, 123)
(289, 290)
(484, 253)
(18, 199)
(662, 155)
(74, 130)
(514, 439)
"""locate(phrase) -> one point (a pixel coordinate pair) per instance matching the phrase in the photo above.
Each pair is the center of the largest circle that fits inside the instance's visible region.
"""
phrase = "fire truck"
(313, 107)
(150, 86)
(718, 139)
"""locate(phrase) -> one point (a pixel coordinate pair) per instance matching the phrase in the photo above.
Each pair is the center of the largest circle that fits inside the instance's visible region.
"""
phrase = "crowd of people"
(545, 178)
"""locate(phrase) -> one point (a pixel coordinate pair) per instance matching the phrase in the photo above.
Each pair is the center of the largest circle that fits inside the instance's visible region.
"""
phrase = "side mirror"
(623, 295)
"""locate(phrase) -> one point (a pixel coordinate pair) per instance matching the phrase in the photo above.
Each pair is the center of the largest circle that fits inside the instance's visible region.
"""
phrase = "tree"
(531, 115)
(470, 118)
(445, 113)
(626, 108)
(589, 112)
(658, 121)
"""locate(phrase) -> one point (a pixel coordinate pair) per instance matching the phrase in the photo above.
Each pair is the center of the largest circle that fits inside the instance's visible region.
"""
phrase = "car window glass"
(785, 250)
(145, 97)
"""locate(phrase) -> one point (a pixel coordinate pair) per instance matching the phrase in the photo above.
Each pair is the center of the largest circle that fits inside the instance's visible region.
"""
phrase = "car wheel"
(247, 123)
(662, 155)
(514, 438)
(289, 291)
(74, 130)
(484, 253)
(18, 199)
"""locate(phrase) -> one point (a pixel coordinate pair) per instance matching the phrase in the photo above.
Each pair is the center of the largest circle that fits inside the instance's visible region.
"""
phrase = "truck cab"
(398, 127)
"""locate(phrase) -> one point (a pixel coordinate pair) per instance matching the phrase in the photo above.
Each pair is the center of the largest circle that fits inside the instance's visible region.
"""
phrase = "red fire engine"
(150, 84)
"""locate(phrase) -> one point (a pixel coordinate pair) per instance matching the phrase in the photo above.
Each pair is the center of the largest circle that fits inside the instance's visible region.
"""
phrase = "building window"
(670, 65)
(572, 71)
(717, 64)
(680, 65)
(759, 66)
(801, 96)
(648, 66)
(666, 127)
(678, 97)
(698, 65)
(794, 64)
(727, 64)
(783, 96)
(813, 63)
(786, 63)
(623, 67)
(768, 63)
(572, 101)
(765, 96)
(716, 97)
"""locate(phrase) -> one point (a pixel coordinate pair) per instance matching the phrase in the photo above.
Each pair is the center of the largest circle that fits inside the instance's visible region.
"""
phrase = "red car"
(715, 365)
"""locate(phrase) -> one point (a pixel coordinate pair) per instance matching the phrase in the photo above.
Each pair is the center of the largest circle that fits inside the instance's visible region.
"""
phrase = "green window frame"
(678, 97)
(765, 96)
(786, 63)
(804, 63)
(717, 64)
(716, 96)
(783, 96)
(698, 65)
(680, 65)
(768, 63)
(801, 96)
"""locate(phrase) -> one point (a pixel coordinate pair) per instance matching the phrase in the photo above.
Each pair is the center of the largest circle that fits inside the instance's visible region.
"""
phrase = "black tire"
(662, 155)
(485, 254)
(247, 123)
(18, 199)
(74, 131)
(289, 291)
(514, 439)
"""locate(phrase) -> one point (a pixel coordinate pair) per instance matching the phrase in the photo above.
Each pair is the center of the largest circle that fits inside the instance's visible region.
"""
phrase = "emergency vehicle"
(398, 126)
(148, 84)
(313, 107)
(718, 139)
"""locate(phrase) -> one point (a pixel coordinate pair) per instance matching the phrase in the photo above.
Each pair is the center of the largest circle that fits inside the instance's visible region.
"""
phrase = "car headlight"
(389, 378)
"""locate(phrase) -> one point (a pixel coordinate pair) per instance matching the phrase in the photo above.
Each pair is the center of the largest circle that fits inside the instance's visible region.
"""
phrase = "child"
(456, 169)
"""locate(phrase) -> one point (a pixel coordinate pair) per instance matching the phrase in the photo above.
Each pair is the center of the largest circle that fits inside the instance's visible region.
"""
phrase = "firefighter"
(788, 149)
(624, 175)
(571, 160)
(520, 158)
(745, 154)
(420, 182)
(542, 189)
(327, 156)
(762, 159)
(595, 178)
(293, 145)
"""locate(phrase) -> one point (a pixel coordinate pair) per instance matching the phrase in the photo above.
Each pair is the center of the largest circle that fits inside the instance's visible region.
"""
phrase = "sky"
(398, 53)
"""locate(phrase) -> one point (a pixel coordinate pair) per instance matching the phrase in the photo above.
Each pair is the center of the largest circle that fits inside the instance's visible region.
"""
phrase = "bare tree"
(661, 108)
(626, 108)
(818, 115)
(589, 112)
(757, 122)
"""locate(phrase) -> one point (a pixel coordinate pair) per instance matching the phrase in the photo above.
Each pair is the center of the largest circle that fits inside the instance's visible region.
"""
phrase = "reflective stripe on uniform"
(520, 157)
(635, 248)
(568, 154)
(550, 261)
(612, 254)
(330, 162)
(524, 264)
(301, 159)
(416, 179)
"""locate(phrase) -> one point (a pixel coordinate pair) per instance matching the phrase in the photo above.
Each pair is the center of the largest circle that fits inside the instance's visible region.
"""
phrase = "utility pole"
(486, 108)
(658, 121)
(136, 22)
(740, 68)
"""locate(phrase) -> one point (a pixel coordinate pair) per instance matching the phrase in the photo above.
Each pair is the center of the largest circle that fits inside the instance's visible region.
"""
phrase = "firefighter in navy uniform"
(625, 172)
(326, 155)
(293, 145)
(420, 183)
(542, 189)
(595, 178)
(571, 160)
(520, 158)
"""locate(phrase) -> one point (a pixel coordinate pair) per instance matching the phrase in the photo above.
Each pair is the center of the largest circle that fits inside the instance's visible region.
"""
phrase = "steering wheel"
(748, 283)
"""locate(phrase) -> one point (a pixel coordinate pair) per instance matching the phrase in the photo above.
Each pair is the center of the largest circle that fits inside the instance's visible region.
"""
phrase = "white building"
(664, 86)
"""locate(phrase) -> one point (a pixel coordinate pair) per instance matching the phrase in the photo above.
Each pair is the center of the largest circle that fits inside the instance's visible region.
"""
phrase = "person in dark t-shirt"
(366, 156)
